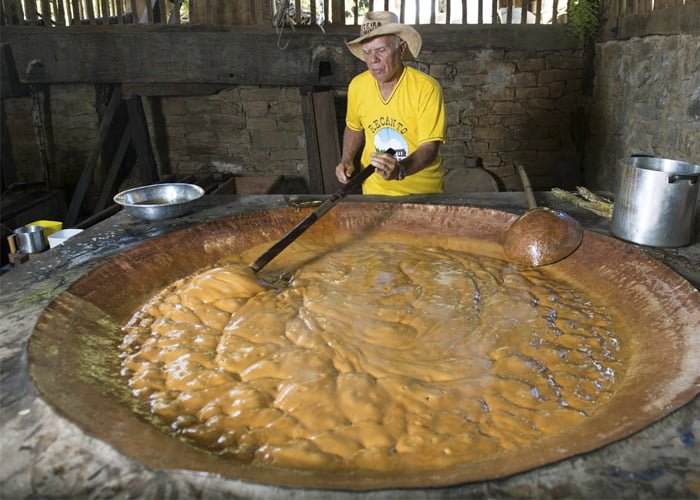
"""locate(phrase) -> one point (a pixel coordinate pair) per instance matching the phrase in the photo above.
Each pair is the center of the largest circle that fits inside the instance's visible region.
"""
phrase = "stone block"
(491, 133)
(516, 120)
(459, 93)
(556, 89)
(452, 113)
(257, 108)
(541, 104)
(534, 64)
(489, 120)
(508, 108)
(504, 145)
(278, 140)
(558, 75)
(265, 124)
(560, 61)
(531, 92)
(173, 106)
(471, 79)
(459, 132)
(526, 79)
(498, 94)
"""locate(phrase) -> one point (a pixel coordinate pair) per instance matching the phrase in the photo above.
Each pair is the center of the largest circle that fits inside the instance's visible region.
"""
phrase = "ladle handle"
(302, 226)
(531, 202)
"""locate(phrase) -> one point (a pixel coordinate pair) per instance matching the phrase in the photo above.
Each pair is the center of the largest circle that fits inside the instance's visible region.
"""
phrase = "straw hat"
(380, 23)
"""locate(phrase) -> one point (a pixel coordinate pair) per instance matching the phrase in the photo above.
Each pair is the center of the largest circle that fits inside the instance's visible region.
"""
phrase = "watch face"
(402, 172)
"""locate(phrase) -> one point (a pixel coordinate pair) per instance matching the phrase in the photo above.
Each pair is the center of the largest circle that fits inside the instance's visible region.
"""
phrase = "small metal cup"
(30, 239)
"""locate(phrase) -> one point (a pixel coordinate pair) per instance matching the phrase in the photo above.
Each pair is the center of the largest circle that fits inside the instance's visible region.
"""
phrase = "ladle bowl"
(541, 236)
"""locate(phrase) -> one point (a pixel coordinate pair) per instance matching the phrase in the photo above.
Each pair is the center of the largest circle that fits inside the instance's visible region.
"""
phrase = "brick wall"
(502, 106)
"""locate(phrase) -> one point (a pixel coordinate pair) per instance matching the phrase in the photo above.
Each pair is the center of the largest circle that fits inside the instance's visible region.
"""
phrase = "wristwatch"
(401, 175)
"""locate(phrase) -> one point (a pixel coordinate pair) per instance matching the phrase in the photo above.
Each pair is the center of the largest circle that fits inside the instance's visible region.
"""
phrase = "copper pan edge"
(74, 366)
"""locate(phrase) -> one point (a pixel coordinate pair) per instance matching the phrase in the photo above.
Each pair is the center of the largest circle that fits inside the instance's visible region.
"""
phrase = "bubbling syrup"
(381, 355)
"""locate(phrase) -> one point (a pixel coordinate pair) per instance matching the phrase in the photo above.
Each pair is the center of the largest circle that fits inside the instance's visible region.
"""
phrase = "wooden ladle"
(541, 236)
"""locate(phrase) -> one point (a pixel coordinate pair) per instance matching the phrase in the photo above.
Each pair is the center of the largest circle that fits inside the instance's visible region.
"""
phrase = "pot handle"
(677, 177)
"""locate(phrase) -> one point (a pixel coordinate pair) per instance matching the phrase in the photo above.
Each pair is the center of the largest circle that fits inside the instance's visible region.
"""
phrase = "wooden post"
(432, 11)
(86, 175)
(105, 13)
(464, 12)
(46, 13)
(141, 140)
(163, 11)
(175, 13)
(555, 11)
(149, 12)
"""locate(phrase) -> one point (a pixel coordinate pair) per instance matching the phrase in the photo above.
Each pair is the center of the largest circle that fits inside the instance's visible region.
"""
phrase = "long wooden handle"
(297, 230)
(531, 202)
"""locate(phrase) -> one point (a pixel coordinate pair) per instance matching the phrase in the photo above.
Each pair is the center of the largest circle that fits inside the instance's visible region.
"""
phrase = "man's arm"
(353, 140)
(388, 167)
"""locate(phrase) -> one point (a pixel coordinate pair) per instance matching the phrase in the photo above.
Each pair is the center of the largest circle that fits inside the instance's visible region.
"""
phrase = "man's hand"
(344, 170)
(386, 165)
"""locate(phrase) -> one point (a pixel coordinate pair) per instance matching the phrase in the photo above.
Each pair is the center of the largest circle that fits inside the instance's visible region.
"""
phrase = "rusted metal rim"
(73, 356)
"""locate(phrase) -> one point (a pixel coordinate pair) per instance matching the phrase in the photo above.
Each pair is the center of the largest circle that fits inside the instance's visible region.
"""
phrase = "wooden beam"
(232, 56)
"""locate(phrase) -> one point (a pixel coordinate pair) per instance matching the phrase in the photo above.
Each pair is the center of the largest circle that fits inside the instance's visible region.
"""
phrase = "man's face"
(383, 56)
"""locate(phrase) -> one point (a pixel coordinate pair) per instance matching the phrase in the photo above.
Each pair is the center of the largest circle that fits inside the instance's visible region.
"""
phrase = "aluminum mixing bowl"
(159, 201)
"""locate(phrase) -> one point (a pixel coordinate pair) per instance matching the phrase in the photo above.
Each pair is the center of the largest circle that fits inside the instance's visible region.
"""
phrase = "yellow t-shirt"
(413, 115)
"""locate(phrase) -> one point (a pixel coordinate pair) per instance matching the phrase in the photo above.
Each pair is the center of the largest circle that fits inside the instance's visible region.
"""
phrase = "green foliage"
(583, 20)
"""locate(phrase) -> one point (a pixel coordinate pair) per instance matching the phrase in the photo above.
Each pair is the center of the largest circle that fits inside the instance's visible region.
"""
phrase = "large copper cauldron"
(74, 363)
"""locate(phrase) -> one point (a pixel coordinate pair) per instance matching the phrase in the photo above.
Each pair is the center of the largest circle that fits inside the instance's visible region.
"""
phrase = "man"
(393, 106)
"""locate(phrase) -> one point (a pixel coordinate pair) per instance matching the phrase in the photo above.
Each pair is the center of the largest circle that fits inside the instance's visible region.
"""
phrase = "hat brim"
(407, 33)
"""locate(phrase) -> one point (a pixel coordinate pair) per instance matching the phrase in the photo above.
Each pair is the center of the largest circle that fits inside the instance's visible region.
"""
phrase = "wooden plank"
(41, 121)
(297, 11)
(524, 10)
(328, 140)
(313, 20)
(538, 12)
(480, 18)
(555, 11)
(11, 84)
(107, 189)
(402, 13)
(417, 19)
(86, 175)
(509, 12)
(495, 19)
(464, 12)
(134, 12)
(432, 11)
(141, 140)
(448, 12)
(120, 12)
(312, 146)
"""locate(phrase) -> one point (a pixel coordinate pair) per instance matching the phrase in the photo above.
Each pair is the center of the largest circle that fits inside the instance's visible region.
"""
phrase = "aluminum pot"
(655, 202)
